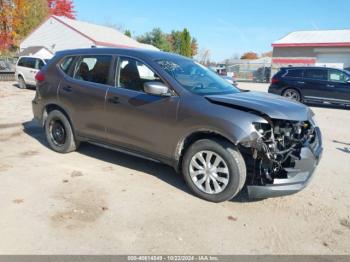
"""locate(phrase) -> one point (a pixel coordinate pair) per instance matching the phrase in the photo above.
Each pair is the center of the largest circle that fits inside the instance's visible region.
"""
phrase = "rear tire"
(21, 83)
(216, 161)
(59, 133)
(292, 94)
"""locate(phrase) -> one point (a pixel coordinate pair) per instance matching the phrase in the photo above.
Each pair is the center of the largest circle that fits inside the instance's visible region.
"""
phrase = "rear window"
(294, 73)
(317, 74)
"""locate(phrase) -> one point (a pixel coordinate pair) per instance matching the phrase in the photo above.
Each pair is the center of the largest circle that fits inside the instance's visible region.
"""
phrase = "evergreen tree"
(127, 33)
(185, 48)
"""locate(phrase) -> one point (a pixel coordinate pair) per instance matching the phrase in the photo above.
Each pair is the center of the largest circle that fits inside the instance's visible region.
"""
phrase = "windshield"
(197, 78)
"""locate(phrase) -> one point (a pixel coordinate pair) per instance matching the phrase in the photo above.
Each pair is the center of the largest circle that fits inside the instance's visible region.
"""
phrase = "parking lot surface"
(97, 201)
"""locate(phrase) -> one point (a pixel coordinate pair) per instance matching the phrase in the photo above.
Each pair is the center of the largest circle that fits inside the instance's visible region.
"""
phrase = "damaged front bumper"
(298, 177)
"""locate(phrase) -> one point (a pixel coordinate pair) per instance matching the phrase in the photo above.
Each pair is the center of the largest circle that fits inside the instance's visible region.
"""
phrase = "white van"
(26, 69)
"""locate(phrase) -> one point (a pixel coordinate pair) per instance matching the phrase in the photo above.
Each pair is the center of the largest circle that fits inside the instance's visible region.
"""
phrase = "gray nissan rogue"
(170, 109)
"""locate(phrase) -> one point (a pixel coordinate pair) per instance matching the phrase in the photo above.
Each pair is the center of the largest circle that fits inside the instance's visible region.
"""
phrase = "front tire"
(59, 133)
(214, 170)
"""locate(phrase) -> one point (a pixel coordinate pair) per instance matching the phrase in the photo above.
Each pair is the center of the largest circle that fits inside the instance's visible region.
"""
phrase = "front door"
(137, 119)
(315, 83)
(338, 86)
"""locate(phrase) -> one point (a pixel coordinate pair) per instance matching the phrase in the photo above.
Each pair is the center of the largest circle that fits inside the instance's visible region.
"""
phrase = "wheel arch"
(53, 106)
(194, 136)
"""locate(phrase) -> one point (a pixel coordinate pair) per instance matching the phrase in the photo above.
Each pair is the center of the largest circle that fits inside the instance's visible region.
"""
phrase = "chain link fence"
(252, 72)
(7, 68)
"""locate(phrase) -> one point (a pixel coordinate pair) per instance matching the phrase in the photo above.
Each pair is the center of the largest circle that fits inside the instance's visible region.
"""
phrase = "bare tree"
(204, 57)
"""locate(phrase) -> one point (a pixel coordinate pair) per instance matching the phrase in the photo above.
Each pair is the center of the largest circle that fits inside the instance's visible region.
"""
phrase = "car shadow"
(329, 106)
(28, 87)
(158, 170)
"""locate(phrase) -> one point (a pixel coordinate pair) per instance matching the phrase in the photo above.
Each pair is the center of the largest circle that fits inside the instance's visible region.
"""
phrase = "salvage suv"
(170, 109)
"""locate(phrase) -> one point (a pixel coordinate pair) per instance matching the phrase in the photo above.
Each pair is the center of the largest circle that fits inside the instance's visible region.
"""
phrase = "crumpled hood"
(274, 106)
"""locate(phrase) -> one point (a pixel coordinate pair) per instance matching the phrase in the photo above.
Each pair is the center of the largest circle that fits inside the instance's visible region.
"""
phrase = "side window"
(93, 69)
(337, 76)
(133, 74)
(31, 62)
(317, 74)
(296, 73)
(66, 64)
(39, 64)
(22, 61)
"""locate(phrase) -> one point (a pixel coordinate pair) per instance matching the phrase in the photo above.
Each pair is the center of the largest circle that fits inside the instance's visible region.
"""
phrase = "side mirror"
(156, 88)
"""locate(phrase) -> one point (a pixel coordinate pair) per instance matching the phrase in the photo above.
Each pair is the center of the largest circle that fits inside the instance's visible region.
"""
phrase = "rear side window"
(66, 64)
(296, 73)
(27, 62)
(93, 69)
(317, 74)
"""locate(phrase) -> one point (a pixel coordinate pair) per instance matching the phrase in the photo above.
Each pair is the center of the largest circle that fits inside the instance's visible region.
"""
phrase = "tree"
(249, 56)
(156, 38)
(127, 33)
(185, 48)
(194, 47)
(6, 26)
(204, 57)
(62, 8)
(33, 13)
(174, 38)
(267, 54)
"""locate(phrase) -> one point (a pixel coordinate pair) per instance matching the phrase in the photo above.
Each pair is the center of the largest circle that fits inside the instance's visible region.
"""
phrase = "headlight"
(262, 128)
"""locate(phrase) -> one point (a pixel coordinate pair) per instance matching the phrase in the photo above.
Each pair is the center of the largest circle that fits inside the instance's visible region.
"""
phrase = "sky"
(227, 27)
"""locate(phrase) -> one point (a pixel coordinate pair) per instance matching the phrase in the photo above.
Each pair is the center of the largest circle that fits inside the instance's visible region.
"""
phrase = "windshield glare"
(196, 78)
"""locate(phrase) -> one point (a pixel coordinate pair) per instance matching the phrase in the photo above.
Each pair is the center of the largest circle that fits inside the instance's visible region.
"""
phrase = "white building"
(329, 48)
(60, 33)
(37, 51)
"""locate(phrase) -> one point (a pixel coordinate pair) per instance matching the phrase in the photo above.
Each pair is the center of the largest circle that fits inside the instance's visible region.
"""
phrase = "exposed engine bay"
(277, 148)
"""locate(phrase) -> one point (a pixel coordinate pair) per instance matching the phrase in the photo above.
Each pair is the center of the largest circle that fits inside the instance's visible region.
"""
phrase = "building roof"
(316, 38)
(32, 50)
(102, 35)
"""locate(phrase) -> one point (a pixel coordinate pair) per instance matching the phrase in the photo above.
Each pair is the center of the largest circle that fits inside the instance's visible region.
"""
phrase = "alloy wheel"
(292, 94)
(209, 172)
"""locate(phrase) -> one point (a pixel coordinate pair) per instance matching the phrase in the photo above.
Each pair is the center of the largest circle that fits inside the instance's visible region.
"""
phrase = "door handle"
(114, 100)
(331, 86)
(301, 82)
(67, 89)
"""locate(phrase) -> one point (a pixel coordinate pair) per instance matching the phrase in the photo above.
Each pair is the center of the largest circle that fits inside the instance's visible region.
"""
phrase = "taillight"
(39, 77)
(274, 80)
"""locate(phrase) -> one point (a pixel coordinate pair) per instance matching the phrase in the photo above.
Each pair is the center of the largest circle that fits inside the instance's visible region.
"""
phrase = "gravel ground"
(96, 201)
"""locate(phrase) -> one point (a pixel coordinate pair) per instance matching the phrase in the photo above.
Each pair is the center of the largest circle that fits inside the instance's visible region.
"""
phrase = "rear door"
(82, 92)
(315, 83)
(293, 78)
(338, 86)
(136, 119)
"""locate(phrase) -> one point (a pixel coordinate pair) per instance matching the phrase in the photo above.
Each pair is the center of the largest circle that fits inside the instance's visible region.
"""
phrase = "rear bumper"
(298, 177)
(275, 89)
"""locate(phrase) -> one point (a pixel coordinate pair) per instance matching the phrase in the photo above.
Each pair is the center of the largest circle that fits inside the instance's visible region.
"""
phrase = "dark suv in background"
(170, 109)
(312, 84)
